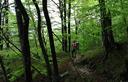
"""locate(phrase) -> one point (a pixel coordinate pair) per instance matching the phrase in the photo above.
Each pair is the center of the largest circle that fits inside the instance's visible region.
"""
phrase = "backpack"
(74, 45)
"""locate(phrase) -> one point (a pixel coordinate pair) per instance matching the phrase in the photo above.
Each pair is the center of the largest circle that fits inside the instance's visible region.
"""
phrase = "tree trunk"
(52, 46)
(106, 24)
(6, 21)
(41, 42)
(61, 9)
(110, 32)
(23, 24)
(0, 26)
(69, 31)
(1, 29)
(76, 25)
(65, 28)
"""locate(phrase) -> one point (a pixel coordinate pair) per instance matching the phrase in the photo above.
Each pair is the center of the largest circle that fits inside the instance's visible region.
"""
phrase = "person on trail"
(74, 48)
(77, 44)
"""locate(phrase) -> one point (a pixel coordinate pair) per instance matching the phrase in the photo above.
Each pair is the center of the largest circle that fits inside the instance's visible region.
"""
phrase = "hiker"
(77, 44)
(74, 48)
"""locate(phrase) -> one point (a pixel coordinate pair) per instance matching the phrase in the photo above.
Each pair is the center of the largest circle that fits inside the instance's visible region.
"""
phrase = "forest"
(63, 40)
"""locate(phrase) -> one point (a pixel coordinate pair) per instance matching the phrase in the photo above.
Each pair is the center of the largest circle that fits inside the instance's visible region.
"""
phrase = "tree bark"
(76, 25)
(106, 24)
(1, 42)
(52, 46)
(62, 21)
(23, 24)
(41, 42)
(69, 31)
(6, 21)
(65, 28)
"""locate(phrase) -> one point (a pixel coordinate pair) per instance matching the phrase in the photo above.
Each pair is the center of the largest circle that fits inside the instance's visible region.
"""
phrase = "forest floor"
(86, 67)
(90, 66)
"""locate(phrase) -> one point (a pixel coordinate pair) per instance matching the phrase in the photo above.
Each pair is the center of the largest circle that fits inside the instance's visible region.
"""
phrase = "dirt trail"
(80, 73)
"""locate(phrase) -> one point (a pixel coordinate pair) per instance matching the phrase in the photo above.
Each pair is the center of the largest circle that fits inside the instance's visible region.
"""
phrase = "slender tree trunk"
(1, 28)
(61, 9)
(6, 21)
(69, 31)
(23, 24)
(41, 42)
(76, 22)
(76, 26)
(65, 27)
(52, 46)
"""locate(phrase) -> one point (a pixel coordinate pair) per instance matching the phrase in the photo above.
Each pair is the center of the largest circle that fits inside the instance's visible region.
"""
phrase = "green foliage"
(93, 53)
(89, 35)
(89, 32)
(16, 74)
